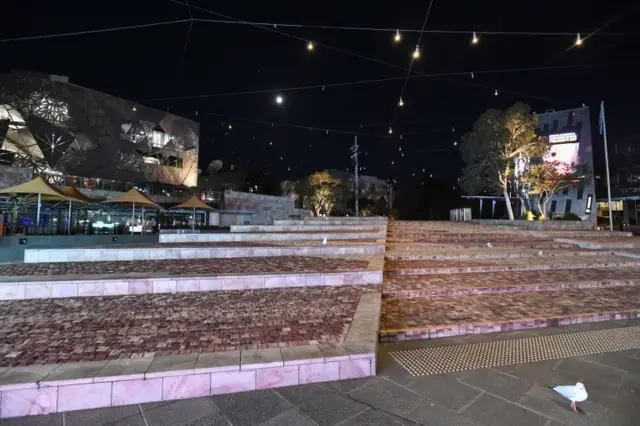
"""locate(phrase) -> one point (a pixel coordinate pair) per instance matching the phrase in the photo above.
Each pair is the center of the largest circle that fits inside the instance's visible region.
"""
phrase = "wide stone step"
(522, 245)
(407, 286)
(308, 228)
(418, 318)
(128, 351)
(84, 279)
(270, 236)
(493, 253)
(161, 251)
(603, 243)
(425, 267)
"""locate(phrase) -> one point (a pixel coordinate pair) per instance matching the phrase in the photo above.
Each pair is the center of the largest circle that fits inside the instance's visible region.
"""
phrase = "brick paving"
(414, 267)
(99, 328)
(493, 282)
(398, 314)
(192, 267)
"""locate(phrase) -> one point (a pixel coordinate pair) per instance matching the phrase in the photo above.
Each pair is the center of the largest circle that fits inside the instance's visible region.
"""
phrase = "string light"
(393, 162)
(230, 127)
(455, 143)
(423, 170)
(279, 100)
(495, 93)
(390, 130)
(453, 129)
(270, 143)
(578, 40)
(474, 40)
(397, 37)
(400, 137)
(416, 53)
(310, 46)
(134, 109)
(401, 102)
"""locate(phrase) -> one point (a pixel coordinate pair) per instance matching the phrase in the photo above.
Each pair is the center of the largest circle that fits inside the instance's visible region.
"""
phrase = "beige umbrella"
(134, 197)
(43, 190)
(193, 203)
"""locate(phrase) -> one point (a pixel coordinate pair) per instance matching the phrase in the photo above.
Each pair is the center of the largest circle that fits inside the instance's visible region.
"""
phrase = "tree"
(498, 142)
(549, 177)
(325, 192)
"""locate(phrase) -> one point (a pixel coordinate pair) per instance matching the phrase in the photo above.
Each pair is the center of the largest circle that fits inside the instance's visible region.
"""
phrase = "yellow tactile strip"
(463, 357)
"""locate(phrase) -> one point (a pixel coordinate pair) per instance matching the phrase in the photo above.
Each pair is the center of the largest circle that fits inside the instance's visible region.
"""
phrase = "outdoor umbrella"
(134, 197)
(193, 203)
(42, 190)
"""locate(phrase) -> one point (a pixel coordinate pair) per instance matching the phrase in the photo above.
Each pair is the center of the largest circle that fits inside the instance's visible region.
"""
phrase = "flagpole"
(606, 161)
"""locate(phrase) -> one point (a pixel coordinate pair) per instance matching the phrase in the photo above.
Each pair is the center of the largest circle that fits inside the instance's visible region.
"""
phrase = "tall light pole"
(355, 151)
(603, 132)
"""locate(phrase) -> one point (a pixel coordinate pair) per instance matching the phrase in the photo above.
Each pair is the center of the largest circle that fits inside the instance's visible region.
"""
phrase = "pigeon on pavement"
(489, 245)
(574, 393)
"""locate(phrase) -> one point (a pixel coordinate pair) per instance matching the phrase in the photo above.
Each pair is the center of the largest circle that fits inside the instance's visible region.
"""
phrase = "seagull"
(489, 245)
(324, 241)
(574, 393)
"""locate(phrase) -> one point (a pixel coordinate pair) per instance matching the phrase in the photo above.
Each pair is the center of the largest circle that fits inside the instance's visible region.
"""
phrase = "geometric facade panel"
(58, 128)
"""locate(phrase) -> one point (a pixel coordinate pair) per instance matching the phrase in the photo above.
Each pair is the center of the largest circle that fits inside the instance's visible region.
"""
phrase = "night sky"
(152, 63)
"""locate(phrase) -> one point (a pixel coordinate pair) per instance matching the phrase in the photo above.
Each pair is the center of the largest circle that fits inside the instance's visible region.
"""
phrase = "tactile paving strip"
(463, 357)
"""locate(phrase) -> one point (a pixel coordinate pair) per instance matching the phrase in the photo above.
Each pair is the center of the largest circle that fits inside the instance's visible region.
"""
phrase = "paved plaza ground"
(191, 267)
(52, 331)
(510, 395)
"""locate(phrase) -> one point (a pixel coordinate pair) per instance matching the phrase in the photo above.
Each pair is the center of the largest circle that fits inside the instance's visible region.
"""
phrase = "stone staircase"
(449, 279)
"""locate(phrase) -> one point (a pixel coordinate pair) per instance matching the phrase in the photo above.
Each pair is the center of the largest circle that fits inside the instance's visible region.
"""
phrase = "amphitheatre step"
(160, 251)
(470, 238)
(520, 245)
(308, 228)
(270, 236)
(83, 279)
(493, 253)
(408, 286)
(581, 234)
(333, 221)
(424, 267)
(603, 243)
(256, 340)
(418, 318)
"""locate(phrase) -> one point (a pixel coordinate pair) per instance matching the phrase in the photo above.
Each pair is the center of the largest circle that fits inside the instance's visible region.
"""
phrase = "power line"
(101, 30)
(408, 30)
(382, 80)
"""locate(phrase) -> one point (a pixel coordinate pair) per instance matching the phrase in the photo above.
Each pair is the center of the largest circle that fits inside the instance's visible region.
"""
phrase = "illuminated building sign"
(563, 137)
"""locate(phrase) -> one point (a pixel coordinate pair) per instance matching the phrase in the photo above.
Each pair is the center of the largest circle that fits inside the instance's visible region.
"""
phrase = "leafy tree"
(326, 190)
(498, 141)
(549, 177)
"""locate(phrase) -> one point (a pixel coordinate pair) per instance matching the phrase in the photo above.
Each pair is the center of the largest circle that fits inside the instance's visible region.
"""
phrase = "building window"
(580, 192)
(567, 207)
(554, 204)
(565, 191)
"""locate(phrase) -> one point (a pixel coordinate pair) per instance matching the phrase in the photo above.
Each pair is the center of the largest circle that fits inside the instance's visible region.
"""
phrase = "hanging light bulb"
(400, 136)
(453, 129)
(390, 130)
(416, 53)
(326, 132)
(473, 76)
(230, 127)
(403, 154)
(393, 162)
(474, 40)
(310, 46)
(134, 109)
(401, 102)
(422, 170)
(578, 40)
(270, 143)
(397, 37)
(279, 100)
(495, 93)
(399, 148)
(455, 143)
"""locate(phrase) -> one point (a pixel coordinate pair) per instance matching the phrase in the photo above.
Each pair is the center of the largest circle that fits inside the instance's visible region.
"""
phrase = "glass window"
(554, 204)
(580, 193)
(567, 207)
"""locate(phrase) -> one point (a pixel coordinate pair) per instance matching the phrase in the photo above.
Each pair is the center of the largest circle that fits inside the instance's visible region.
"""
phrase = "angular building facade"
(70, 134)
(569, 134)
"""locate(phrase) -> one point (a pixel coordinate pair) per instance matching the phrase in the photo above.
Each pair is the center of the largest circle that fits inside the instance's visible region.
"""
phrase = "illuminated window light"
(397, 37)
(475, 39)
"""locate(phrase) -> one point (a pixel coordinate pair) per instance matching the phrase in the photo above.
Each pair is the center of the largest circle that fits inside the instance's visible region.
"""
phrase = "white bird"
(489, 245)
(574, 393)
(540, 253)
(324, 241)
